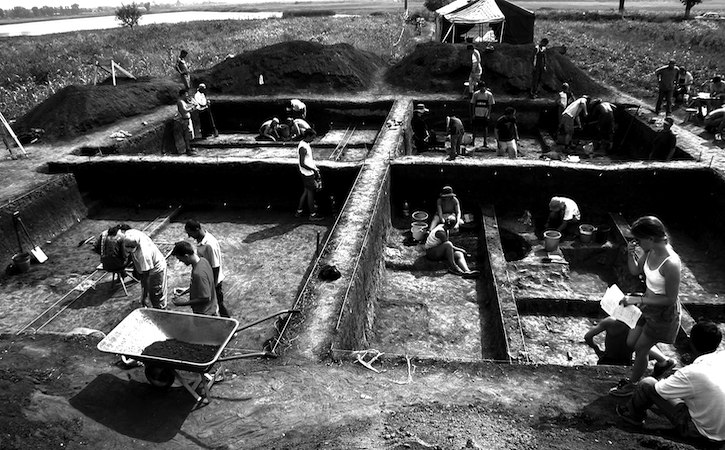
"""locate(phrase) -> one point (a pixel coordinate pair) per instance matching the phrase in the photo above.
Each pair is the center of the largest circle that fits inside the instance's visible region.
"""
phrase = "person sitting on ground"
(564, 216)
(270, 130)
(150, 264)
(714, 122)
(693, 398)
(571, 117)
(438, 247)
(447, 205)
(616, 350)
(683, 86)
(423, 137)
(717, 88)
(482, 103)
(664, 143)
(202, 295)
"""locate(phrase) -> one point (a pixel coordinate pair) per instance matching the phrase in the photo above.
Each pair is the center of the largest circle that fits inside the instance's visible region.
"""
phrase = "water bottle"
(406, 209)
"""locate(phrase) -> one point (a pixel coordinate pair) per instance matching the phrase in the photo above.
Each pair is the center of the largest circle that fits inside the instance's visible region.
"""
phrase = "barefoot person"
(660, 304)
(438, 247)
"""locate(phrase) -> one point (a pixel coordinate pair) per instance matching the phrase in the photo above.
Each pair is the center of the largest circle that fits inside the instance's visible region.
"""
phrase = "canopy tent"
(460, 16)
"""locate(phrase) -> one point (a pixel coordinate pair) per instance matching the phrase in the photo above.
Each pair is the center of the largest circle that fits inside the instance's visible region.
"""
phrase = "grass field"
(619, 52)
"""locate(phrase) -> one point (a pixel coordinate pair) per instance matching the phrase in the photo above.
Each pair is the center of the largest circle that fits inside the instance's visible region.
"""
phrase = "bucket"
(551, 240)
(419, 230)
(602, 234)
(420, 216)
(22, 261)
(586, 232)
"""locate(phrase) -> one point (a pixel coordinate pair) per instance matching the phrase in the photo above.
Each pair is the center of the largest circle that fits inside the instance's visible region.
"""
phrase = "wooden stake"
(10, 131)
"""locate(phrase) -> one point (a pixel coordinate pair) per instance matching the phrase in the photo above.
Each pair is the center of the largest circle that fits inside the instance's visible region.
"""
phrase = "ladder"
(6, 131)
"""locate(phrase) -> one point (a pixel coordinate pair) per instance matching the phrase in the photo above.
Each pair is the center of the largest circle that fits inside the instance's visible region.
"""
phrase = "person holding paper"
(660, 303)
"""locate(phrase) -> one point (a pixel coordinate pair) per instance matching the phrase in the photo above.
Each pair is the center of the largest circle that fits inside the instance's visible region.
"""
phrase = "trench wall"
(46, 211)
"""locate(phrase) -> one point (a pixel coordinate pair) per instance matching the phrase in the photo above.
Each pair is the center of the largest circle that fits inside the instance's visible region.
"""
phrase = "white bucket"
(551, 240)
(419, 230)
(586, 232)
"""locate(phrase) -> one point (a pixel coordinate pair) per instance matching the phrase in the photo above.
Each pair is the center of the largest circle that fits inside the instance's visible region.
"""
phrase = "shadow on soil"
(133, 408)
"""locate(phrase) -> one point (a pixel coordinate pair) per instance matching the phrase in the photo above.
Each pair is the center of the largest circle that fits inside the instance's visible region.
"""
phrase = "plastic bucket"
(602, 234)
(419, 230)
(551, 240)
(22, 261)
(586, 232)
(420, 216)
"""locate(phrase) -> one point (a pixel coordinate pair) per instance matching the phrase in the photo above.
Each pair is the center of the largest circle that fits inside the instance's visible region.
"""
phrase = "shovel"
(36, 251)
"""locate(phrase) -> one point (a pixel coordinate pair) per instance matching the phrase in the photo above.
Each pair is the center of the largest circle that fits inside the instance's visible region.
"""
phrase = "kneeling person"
(202, 295)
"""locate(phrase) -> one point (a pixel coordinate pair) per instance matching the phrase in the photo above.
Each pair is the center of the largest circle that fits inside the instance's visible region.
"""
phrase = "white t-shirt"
(308, 159)
(701, 385)
(476, 62)
(147, 257)
(210, 250)
(297, 105)
(200, 99)
(571, 209)
(577, 106)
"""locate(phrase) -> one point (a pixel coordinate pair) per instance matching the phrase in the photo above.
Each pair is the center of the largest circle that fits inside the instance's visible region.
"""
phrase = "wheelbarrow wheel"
(159, 377)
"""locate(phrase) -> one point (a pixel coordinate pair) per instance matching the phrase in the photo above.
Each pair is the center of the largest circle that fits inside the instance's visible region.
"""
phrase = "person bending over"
(202, 295)
(438, 247)
(150, 264)
(564, 215)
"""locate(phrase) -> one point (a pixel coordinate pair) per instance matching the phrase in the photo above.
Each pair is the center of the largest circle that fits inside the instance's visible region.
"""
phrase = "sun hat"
(447, 191)
(202, 86)
(420, 107)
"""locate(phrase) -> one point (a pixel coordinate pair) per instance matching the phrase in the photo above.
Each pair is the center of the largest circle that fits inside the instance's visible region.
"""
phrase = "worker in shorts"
(482, 102)
(507, 134)
(476, 68)
(185, 105)
(454, 127)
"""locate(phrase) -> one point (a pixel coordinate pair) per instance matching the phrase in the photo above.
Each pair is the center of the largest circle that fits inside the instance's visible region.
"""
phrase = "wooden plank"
(622, 225)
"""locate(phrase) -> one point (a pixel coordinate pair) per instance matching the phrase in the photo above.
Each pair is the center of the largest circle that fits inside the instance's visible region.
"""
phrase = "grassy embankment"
(622, 53)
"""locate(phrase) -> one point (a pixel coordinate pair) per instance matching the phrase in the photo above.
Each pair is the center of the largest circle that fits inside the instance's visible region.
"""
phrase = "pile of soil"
(292, 67)
(438, 67)
(76, 109)
(182, 351)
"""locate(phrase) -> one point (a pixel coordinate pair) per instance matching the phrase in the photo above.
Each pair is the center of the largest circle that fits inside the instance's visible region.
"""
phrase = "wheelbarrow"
(167, 342)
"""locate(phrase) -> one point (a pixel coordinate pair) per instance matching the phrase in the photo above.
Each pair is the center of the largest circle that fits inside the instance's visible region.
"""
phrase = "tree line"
(19, 12)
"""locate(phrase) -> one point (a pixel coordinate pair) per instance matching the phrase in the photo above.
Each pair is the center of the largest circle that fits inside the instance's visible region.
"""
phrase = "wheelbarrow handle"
(246, 355)
(271, 316)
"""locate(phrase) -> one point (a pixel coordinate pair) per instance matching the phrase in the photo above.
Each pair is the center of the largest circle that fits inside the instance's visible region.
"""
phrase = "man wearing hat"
(447, 205)
(663, 145)
(423, 137)
(666, 79)
(204, 123)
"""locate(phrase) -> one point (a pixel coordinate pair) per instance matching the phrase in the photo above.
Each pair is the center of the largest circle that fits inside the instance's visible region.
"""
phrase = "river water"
(106, 22)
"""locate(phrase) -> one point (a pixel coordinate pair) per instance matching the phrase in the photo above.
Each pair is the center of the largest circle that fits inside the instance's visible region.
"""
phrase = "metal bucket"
(22, 261)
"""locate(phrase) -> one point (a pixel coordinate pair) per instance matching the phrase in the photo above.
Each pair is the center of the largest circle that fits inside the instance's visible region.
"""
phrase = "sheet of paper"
(610, 304)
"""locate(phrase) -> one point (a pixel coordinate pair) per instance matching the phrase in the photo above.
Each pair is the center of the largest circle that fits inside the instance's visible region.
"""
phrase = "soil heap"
(293, 66)
(439, 67)
(76, 109)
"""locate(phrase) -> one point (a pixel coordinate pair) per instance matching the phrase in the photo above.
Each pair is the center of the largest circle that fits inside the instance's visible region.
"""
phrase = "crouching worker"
(150, 264)
(564, 216)
(109, 244)
(202, 295)
(438, 247)
(693, 398)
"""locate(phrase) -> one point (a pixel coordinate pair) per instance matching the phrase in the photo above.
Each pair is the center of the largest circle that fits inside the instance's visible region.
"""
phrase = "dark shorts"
(308, 182)
(480, 121)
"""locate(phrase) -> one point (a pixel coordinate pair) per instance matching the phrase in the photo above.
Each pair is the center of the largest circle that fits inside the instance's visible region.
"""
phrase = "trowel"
(36, 251)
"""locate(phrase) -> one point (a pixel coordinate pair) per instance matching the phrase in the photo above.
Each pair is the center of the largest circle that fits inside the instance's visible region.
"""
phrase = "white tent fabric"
(472, 13)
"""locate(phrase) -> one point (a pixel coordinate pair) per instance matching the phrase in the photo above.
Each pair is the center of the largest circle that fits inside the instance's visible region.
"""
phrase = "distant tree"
(688, 6)
(20, 13)
(128, 15)
(36, 11)
(75, 8)
(436, 4)
(2, 13)
(148, 6)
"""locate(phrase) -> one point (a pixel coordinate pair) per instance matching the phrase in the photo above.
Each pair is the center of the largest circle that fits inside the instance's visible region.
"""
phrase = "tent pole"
(503, 26)
(446, 36)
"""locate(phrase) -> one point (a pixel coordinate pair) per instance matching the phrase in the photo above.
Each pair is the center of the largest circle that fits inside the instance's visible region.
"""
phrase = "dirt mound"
(75, 109)
(437, 67)
(291, 67)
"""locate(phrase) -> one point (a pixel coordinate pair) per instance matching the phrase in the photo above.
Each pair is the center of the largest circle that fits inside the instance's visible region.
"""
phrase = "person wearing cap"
(564, 99)
(683, 88)
(423, 137)
(269, 131)
(664, 143)
(571, 117)
(208, 248)
(447, 205)
(183, 68)
(482, 102)
(310, 176)
(204, 125)
(564, 215)
(666, 79)
(202, 295)
(438, 247)
(603, 115)
(506, 132)
(539, 66)
(297, 109)
(150, 264)
(476, 68)
(454, 129)
(186, 106)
